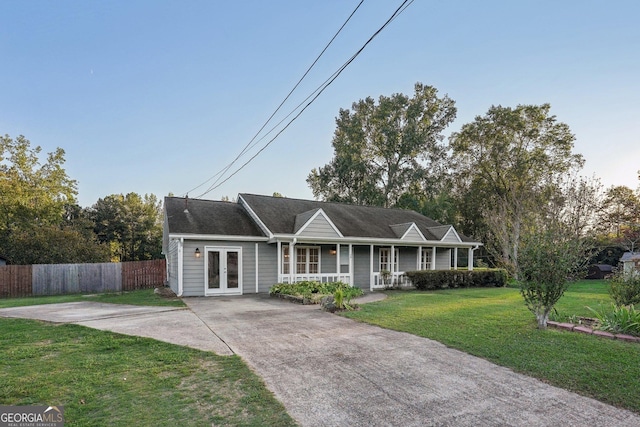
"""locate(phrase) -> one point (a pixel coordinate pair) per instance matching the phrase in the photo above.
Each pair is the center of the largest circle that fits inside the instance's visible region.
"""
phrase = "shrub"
(547, 261)
(442, 279)
(624, 288)
(619, 320)
(315, 290)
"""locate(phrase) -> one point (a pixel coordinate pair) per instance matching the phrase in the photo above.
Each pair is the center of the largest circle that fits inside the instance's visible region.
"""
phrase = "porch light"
(333, 251)
(197, 253)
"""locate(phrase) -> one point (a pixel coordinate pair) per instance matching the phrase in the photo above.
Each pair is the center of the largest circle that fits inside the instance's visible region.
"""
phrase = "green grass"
(139, 297)
(103, 378)
(493, 323)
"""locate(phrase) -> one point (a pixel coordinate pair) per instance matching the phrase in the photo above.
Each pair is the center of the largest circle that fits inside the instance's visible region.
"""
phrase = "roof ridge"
(332, 203)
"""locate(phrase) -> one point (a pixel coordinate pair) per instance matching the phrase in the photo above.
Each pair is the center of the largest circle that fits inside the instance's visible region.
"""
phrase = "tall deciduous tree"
(34, 207)
(33, 193)
(131, 226)
(507, 165)
(620, 208)
(383, 149)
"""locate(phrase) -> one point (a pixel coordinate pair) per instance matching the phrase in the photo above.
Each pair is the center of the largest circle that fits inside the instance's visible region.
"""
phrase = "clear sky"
(157, 96)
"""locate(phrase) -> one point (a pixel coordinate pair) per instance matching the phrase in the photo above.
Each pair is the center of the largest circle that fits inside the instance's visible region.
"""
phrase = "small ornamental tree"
(549, 261)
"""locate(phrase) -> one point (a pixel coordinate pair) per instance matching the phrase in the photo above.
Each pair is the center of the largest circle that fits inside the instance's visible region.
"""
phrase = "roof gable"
(315, 223)
(446, 233)
(408, 231)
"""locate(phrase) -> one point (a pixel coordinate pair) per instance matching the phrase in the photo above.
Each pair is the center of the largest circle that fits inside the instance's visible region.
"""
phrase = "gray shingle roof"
(630, 256)
(279, 215)
(208, 217)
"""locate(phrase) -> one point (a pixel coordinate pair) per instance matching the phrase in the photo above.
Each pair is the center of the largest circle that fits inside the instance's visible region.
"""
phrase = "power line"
(249, 146)
(318, 92)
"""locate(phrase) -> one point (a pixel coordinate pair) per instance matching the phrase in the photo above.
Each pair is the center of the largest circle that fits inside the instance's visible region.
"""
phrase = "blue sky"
(157, 96)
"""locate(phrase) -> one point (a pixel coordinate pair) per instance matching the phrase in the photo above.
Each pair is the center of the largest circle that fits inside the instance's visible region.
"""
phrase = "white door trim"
(223, 290)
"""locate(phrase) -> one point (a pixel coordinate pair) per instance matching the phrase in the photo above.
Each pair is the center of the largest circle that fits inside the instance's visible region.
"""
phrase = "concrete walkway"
(175, 325)
(331, 371)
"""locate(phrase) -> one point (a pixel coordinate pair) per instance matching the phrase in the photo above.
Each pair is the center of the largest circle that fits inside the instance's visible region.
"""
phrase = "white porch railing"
(397, 279)
(322, 278)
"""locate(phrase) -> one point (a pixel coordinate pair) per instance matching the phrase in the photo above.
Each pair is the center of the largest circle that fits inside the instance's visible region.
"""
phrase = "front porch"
(368, 267)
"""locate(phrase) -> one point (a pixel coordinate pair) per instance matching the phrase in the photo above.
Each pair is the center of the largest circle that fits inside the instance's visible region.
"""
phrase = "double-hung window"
(385, 259)
(425, 261)
(285, 259)
(307, 260)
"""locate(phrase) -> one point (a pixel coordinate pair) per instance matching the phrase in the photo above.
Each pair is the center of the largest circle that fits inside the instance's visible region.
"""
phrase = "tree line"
(42, 223)
(510, 174)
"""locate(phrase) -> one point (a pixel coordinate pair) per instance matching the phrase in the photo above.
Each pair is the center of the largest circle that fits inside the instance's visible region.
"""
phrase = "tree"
(52, 244)
(35, 225)
(382, 150)
(549, 260)
(507, 166)
(32, 193)
(131, 225)
(576, 204)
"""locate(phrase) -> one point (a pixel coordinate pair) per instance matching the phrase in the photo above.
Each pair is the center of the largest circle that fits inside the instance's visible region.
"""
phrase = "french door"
(223, 271)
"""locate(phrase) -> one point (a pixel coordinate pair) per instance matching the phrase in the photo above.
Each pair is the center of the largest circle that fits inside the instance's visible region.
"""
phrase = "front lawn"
(103, 378)
(138, 297)
(493, 323)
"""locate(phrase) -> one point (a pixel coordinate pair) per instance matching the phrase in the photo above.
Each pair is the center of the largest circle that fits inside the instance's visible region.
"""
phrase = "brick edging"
(586, 330)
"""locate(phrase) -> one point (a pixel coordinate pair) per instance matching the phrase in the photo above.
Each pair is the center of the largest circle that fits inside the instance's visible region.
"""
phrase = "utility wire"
(249, 146)
(322, 88)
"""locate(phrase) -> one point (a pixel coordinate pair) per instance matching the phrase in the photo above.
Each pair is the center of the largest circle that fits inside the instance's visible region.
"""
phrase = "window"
(385, 259)
(307, 260)
(285, 260)
(425, 261)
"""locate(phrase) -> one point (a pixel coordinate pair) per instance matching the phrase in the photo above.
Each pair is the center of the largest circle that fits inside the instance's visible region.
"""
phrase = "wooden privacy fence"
(143, 274)
(58, 279)
(15, 281)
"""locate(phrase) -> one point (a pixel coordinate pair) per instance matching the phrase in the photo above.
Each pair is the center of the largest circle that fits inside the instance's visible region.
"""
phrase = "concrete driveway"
(176, 325)
(332, 371)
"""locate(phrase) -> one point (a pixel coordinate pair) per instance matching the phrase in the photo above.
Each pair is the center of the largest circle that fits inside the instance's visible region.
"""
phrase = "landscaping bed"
(331, 295)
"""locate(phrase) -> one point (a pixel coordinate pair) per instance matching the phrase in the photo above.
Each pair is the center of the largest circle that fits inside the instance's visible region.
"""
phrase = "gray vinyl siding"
(193, 268)
(172, 264)
(328, 261)
(319, 227)
(361, 266)
(443, 259)
(267, 266)
(408, 257)
(413, 235)
(450, 237)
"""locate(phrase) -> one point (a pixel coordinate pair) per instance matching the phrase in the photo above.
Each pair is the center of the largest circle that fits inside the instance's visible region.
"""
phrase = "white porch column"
(392, 259)
(338, 260)
(470, 259)
(181, 266)
(455, 258)
(351, 276)
(279, 249)
(292, 264)
(371, 267)
(257, 267)
(433, 258)
(419, 259)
